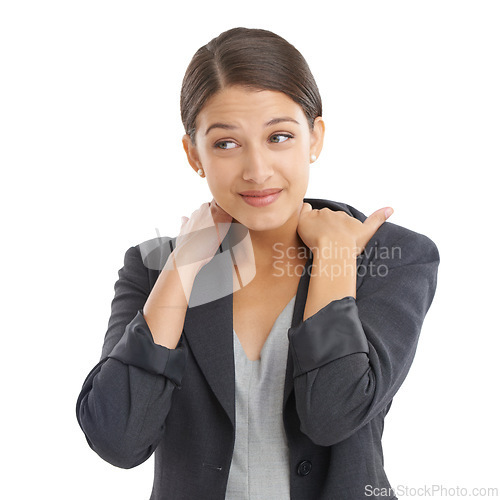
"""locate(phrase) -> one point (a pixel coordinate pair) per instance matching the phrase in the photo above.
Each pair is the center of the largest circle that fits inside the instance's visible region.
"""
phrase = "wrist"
(177, 261)
(334, 250)
(186, 273)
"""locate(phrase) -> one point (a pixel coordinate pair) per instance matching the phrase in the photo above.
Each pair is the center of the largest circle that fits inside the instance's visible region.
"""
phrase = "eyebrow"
(274, 121)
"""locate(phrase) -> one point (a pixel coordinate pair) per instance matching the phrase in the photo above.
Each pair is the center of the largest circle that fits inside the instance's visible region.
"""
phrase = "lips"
(265, 192)
(261, 198)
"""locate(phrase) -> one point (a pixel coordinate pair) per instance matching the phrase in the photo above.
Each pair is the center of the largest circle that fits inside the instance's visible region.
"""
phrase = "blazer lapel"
(298, 314)
(208, 326)
(208, 329)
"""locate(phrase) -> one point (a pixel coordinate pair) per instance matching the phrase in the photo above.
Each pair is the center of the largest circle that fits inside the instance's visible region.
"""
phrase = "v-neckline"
(255, 361)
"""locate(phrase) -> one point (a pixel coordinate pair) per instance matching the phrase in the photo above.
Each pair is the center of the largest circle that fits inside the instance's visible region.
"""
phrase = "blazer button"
(304, 468)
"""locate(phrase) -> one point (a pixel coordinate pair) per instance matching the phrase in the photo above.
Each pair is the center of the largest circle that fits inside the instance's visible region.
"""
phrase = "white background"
(92, 163)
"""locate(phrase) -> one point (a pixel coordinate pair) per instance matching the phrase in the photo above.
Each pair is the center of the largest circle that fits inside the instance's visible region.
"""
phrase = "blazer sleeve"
(351, 357)
(126, 397)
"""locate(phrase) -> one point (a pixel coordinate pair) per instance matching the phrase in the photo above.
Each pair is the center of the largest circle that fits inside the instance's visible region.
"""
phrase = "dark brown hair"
(253, 58)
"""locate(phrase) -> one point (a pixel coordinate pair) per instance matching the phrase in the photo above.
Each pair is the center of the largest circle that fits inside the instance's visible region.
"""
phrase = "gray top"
(260, 464)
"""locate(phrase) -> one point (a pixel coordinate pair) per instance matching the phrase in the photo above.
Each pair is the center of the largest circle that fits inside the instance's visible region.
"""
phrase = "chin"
(261, 223)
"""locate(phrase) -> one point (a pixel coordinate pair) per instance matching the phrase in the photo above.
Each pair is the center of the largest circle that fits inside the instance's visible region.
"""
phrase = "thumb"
(377, 218)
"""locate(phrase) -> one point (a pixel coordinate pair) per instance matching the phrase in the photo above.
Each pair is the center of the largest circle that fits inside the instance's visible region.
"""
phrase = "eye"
(224, 145)
(275, 138)
(286, 136)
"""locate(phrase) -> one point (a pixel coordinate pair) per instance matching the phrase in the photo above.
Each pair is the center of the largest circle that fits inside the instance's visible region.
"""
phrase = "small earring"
(200, 172)
(313, 158)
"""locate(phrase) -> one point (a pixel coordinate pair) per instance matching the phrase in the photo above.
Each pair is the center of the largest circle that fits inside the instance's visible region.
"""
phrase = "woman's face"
(250, 140)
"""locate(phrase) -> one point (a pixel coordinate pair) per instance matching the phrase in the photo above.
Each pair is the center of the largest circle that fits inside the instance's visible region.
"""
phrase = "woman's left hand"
(318, 228)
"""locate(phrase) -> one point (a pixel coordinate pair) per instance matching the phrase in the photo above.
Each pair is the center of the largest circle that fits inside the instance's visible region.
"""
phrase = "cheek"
(218, 183)
(299, 177)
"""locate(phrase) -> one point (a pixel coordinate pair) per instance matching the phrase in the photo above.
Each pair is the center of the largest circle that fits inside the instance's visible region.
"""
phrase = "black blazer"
(345, 364)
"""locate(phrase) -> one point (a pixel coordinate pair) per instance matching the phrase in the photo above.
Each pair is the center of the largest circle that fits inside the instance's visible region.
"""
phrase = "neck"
(282, 244)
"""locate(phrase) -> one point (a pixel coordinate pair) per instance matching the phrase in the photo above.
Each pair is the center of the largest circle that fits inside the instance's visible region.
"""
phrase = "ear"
(191, 153)
(317, 136)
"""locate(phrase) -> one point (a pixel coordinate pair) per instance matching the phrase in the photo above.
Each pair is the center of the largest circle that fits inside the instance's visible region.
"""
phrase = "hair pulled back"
(253, 58)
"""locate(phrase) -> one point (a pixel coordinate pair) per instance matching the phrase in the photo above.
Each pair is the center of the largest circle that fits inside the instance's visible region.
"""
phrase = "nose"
(257, 166)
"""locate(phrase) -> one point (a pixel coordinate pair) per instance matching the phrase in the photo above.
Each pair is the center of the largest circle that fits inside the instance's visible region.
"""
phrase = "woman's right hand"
(200, 236)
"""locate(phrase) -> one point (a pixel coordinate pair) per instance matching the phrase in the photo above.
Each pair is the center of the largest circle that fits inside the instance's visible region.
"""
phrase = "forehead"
(235, 104)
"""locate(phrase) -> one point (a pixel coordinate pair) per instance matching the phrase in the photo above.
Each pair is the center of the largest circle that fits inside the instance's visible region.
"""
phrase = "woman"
(286, 326)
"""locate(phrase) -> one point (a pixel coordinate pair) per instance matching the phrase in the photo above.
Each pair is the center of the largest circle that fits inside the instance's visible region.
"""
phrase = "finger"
(306, 207)
(184, 219)
(377, 218)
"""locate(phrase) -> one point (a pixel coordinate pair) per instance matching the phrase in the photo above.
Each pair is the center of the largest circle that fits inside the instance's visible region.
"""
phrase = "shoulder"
(143, 262)
(154, 253)
(389, 235)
